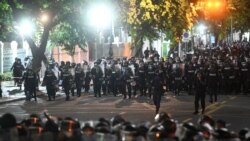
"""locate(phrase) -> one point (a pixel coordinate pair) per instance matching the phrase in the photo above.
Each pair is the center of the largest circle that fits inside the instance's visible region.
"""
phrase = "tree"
(61, 14)
(69, 35)
(5, 20)
(146, 19)
(239, 11)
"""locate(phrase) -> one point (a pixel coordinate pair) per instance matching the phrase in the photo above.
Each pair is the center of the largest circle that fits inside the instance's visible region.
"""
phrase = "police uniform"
(177, 75)
(30, 83)
(158, 90)
(189, 75)
(97, 79)
(244, 73)
(141, 79)
(87, 77)
(126, 81)
(150, 76)
(212, 83)
(79, 77)
(50, 81)
(66, 81)
(200, 89)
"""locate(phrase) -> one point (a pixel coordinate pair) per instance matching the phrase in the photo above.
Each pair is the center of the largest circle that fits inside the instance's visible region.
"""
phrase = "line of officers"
(225, 74)
(108, 76)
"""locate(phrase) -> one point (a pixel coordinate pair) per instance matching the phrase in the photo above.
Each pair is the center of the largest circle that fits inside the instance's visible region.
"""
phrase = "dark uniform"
(97, 79)
(237, 76)
(200, 90)
(189, 77)
(30, 83)
(158, 90)
(150, 76)
(50, 81)
(177, 75)
(66, 81)
(18, 69)
(108, 74)
(168, 74)
(126, 81)
(142, 79)
(244, 73)
(79, 77)
(212, 83)
(226, 73)
(115, 79)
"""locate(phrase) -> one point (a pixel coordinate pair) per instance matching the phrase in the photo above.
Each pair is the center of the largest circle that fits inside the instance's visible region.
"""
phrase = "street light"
(45, 18)
(201, 28)
(26, 27)
(100, 17)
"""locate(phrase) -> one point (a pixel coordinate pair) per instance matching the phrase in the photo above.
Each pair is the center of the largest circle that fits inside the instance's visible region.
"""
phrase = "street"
(233, 109)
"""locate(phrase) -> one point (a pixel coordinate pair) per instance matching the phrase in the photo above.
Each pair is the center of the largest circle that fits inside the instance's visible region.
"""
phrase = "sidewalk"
(12, 93)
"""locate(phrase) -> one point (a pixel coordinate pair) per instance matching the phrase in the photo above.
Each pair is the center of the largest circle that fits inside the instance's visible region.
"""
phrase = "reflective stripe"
(212, 74)
(244, 69)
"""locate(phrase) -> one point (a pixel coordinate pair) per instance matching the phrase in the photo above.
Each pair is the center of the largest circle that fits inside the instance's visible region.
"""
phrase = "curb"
(39, 94)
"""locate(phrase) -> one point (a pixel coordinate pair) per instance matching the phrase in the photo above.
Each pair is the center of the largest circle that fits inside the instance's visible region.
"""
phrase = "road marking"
(212, 105)
(187, 120)
(122, 113)
(215, 109)
(224, 102)
(232, 98)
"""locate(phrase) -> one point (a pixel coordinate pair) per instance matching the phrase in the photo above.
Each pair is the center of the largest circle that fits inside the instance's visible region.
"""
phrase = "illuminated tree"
(148, 18)
(60, 12)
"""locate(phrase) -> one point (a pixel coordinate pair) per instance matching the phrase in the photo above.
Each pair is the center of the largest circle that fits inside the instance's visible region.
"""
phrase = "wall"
(59, 54)
(8, 53)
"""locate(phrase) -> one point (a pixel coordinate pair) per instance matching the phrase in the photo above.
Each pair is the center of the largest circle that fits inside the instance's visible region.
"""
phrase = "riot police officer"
(97, 78)
(150, 76)
(30, 83)
(115, 77)
(18, 69)
(141, 79)
(50, 81)
(79, 77)
(126, 80)
(212, 82)
(189, 76)
(177, 81)
(158, 90)
(65, 73)
(200, 90)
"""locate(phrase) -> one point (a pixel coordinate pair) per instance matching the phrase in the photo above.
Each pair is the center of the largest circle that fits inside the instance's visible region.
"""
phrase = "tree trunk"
(38, 53)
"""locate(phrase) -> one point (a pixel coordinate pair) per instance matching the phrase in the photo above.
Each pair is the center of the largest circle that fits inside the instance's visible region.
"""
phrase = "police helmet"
(87, 130)
(162, 116)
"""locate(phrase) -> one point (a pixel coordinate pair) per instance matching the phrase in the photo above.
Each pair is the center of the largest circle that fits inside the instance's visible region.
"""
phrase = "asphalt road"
(234, 109)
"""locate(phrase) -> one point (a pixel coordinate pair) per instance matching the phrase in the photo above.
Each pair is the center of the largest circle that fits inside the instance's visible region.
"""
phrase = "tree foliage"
(62, 15)
(69, 36)
(148, 18)
(5, 19)
(239, 10)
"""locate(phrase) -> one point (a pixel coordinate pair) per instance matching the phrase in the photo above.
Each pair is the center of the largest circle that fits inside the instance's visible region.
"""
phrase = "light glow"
(100, 16)
(26, 27)
(45, 18)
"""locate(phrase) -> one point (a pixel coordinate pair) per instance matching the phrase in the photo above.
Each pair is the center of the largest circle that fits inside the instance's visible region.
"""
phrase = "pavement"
(12, 93)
